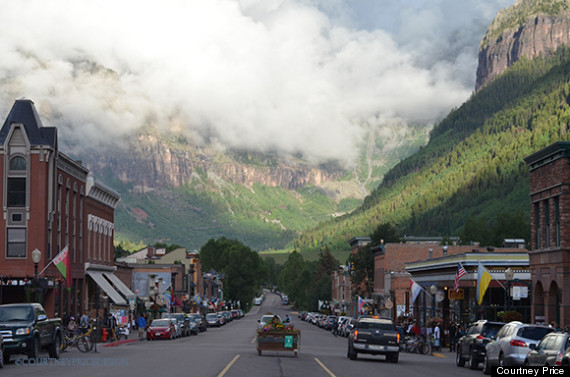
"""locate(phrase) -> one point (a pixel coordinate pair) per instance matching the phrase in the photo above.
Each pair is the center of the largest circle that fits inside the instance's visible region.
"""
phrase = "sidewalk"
(444, 352)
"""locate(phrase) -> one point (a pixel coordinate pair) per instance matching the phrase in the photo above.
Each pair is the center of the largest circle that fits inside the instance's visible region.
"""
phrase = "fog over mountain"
(313, 77)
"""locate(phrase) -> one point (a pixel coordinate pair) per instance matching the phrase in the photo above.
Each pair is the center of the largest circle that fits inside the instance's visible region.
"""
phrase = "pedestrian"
(72, 325)
(335, 328)
(452, 336)
(287, 319)
(84, 321)
(141, 324)
(436, 337)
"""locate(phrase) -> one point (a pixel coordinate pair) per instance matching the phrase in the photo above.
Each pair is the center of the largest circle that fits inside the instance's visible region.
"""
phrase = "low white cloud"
(298, 76)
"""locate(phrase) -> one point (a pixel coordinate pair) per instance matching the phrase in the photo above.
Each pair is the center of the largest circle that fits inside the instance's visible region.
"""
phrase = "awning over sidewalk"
(119, 285)
(98, 277)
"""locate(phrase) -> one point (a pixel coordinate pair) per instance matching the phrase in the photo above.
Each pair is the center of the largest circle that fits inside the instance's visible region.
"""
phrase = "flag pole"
(47, 265)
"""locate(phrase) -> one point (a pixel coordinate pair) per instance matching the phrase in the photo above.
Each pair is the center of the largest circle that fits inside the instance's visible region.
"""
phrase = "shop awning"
(119, 285)
(98, 277)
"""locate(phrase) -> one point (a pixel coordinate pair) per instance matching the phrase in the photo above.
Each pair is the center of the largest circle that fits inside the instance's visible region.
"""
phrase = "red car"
(161, 329)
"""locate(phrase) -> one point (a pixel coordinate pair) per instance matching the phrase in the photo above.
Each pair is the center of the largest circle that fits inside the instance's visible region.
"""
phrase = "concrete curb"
(118, 343)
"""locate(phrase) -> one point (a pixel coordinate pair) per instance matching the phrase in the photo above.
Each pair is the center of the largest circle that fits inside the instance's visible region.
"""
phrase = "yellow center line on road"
(228, 366)
(325, 368)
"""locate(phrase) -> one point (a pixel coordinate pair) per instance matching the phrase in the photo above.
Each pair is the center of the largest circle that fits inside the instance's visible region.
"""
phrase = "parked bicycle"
(416, 345)
(84, 339)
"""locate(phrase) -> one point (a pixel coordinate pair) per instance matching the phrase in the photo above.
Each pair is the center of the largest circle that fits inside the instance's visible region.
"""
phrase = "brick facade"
(49, 202)
(550, 233)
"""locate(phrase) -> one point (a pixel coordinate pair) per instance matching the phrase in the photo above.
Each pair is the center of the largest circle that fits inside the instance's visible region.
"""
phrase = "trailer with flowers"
(278, 336)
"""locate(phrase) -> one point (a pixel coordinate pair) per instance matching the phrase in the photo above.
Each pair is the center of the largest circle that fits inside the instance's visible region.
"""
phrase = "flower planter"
(278, 341)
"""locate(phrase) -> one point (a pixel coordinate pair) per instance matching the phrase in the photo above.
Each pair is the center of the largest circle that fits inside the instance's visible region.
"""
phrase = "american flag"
(460, 272)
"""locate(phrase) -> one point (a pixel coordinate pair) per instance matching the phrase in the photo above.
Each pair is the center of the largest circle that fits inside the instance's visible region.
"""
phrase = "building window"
(18, 163)
(16, 192)
(546, 224)
(16, 243)
(557, 221)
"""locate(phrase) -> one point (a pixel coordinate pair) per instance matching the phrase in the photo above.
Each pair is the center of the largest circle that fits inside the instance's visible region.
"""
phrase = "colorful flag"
(360, 305)
(198, 299)
(62, 263)
(415, 289)
(460, 272)
(483, 280)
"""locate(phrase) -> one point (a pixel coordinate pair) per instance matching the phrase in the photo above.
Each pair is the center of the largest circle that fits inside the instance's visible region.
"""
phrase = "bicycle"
(416, 345)
(83, 341)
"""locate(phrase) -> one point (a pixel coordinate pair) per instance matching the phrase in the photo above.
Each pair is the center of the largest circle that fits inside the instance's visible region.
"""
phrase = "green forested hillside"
(473, 164)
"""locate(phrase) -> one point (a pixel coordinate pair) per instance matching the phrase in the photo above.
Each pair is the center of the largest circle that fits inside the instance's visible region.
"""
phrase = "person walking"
(141, 324)
(436, 337)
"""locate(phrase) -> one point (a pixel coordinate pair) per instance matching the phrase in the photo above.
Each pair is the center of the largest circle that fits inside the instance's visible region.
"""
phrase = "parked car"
(553, 350)
(348, 327)
(329, 322)
(213, 320)
(26, 329)
(1, 352)
(183, 322)
(161, 329)
(373, 335)
(511, 344)
(199, 320)
(471, 346)
(177, 327)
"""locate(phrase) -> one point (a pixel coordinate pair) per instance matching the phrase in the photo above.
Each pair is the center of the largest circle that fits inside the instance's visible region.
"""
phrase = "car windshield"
(534, 333)
(211, 316)
(266, 318)
(16, 313)
(491, 329)
(160, 323)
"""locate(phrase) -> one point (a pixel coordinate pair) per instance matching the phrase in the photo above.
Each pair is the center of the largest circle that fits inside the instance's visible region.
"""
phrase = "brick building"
(50, 202)
(392, 280)
(550, 233)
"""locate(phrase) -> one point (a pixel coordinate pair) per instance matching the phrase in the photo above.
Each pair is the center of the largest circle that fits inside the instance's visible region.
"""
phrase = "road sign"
(288, 341)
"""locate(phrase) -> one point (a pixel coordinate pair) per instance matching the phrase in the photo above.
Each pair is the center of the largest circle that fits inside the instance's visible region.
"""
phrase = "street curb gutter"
(118, 343)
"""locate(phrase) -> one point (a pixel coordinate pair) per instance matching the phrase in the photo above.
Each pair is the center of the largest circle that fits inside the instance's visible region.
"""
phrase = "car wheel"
(34, 350)
(459, 361)
(55, 348)
(526, 363)
(501, 360)
(473, 363)
(352, 354)
(5, 357)
(1, 357)
(393, 358)
(486, 366)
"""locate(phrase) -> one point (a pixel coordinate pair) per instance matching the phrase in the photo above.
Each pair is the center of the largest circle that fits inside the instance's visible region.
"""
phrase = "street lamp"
(36, 257)
(509, 276)
(433, 291)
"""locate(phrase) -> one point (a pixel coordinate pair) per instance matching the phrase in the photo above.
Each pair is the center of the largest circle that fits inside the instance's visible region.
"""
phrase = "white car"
(266, 319)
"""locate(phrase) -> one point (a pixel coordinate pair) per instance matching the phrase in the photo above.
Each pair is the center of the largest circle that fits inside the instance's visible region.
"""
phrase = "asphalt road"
(230, 351)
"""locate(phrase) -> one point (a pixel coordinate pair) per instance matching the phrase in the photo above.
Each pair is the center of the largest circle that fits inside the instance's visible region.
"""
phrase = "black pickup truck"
(26, 329)
(374, 335)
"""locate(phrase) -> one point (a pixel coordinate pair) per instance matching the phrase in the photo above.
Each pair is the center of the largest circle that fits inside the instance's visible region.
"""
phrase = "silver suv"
(511, 345)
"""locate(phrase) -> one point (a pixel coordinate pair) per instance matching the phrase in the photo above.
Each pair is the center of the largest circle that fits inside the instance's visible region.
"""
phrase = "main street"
(230, 351)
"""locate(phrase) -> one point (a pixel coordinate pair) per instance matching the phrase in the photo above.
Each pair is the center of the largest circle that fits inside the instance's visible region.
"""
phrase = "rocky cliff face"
(505, 43)
(153, 163)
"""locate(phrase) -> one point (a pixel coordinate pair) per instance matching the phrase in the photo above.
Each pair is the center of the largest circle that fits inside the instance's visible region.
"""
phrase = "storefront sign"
(453, 295)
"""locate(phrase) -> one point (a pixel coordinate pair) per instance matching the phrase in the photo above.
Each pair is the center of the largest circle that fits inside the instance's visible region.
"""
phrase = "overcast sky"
(299, 76)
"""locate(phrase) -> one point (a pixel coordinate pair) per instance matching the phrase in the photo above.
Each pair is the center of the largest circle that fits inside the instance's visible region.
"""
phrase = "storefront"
(509, 290)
